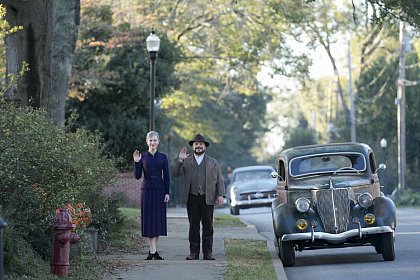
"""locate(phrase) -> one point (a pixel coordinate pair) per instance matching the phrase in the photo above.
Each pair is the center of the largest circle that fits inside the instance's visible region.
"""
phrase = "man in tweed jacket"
(201, 188)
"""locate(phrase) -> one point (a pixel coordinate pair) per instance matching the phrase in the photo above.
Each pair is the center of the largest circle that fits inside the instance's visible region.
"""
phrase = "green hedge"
(44, 167)
(408, 197)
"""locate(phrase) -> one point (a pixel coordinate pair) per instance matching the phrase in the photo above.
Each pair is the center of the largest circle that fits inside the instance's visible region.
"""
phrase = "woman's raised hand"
(136, 156)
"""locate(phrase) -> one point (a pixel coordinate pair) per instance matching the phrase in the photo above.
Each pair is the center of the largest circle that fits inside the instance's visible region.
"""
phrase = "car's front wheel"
(378, 247)
(234, 210)
(387, 245)
(287, 253)
(277, 246)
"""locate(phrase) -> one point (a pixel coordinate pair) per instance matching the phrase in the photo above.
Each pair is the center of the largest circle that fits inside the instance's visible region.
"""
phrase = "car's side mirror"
(381, 166)
(274, 174)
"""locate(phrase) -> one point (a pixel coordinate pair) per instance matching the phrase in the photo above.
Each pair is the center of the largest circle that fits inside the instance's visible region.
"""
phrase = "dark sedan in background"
(251, 186)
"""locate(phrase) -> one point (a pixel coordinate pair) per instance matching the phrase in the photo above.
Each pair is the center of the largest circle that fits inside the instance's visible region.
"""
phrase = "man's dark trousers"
(198, 211)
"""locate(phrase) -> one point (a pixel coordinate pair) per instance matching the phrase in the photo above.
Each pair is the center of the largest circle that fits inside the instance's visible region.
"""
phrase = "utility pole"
(352, 108)
(330, 111)
(400, 101)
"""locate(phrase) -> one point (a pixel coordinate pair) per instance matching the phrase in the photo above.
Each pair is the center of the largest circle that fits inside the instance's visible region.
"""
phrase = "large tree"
(406, 10)
(225, 44)
(46, 43)
(109, 89)
(218, 92)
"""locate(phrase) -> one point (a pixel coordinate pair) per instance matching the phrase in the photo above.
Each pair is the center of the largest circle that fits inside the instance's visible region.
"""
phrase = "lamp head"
(152, 42)
(383, 143)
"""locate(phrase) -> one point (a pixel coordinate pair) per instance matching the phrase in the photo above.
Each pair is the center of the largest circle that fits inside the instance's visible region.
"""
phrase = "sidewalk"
(175, 247)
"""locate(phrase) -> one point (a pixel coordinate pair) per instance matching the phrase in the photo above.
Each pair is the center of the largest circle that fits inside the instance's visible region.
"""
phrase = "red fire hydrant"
(63, 235)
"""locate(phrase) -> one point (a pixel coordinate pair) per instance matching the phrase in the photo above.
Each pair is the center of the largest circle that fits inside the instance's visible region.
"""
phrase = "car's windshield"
(252, 174)
(327, 162)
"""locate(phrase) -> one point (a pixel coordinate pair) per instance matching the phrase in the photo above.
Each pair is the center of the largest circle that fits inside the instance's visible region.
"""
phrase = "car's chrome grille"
(334, 209)
(257, 195)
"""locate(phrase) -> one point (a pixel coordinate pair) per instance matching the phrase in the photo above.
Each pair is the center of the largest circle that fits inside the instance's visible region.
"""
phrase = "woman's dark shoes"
(150, 256)
(156, 256)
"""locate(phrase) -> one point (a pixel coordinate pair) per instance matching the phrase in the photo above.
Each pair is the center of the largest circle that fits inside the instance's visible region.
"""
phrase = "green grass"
(130, 213)
(248, 259)
(226, 220)
(128, 238)
(87, 268)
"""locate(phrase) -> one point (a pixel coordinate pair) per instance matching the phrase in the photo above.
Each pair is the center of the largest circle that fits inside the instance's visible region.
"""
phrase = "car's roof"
(325, 148)
(253, 168)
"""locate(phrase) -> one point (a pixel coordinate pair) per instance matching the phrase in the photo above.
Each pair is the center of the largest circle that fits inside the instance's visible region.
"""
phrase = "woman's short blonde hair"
(152, 133)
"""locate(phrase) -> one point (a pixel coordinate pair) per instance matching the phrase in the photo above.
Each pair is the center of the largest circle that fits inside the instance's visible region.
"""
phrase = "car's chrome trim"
(252, 201)
(336, 238)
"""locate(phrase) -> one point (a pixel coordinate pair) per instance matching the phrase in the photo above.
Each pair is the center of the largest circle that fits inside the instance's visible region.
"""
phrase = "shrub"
(407, 197)
(44, 167)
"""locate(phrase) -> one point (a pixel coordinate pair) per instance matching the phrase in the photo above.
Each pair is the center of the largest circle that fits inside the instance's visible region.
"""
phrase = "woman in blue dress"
(153, 167)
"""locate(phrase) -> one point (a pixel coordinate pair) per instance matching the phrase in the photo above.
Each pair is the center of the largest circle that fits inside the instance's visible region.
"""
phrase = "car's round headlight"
(234, 192)
(365, 200)
(302, 204)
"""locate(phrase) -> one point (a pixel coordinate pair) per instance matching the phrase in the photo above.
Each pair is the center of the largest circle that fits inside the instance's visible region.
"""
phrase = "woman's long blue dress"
(155, 171)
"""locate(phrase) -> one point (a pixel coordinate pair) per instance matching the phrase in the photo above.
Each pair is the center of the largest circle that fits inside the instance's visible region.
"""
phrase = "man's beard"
(199, 152)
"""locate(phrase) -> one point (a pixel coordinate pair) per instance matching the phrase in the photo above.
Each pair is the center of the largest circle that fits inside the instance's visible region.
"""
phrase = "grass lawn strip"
(248, 259)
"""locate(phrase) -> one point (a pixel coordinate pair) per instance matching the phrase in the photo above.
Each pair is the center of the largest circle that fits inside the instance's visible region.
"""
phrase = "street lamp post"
(152, 43)
(384, 144)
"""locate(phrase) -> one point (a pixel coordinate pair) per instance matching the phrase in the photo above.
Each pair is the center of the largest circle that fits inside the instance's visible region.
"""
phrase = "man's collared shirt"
(199, 158)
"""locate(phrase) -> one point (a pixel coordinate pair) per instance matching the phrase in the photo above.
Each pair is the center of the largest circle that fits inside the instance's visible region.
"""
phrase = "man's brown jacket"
(214, 180)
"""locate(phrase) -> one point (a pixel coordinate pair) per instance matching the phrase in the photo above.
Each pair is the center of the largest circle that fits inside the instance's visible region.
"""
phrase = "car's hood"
(324, 182)
(257, 184)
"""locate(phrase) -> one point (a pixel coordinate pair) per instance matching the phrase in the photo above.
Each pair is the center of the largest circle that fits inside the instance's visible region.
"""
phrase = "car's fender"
(385, 212)
(285, 216)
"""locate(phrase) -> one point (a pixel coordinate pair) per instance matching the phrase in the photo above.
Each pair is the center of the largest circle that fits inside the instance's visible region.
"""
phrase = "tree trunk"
(47, 44)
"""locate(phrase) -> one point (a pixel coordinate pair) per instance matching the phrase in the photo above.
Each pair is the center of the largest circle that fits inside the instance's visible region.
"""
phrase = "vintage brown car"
(329, 196)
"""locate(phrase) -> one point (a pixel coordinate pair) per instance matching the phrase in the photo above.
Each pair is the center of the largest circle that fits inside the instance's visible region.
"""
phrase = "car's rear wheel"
(387, 245)
(234, 210)
(287, 253)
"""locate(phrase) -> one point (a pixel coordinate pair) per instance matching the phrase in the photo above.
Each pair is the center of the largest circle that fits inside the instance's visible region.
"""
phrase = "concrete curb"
(278, 265)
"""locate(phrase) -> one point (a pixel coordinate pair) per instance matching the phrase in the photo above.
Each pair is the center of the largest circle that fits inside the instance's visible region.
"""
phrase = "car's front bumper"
(336, 238)
(252, 202)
